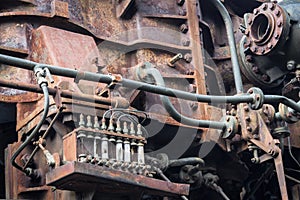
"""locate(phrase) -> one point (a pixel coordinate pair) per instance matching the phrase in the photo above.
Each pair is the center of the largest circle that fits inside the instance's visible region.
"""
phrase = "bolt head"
(255, 11)
(269, 45)
(255, 69)
(180, 2)
(183, 28)
(249, 129)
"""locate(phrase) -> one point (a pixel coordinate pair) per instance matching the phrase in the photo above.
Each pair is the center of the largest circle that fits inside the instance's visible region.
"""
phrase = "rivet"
(249, 129)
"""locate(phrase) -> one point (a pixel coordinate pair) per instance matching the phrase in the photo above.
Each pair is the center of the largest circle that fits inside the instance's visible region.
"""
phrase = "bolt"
(185, 42)
(184, 28)
(182, 12)
(194, 105)
(246, 108)
(265, 77)
(255, 69)
(248, 119)
(173, 60)
(229, 130)
(291, 65)
(265, 6)
(249, 129)
(279, 23)
(269, 45)
(188, 57)
(277, 13)
(228, 119)
(180, 2)
(272, 7)
(276, 36)
(250, 91)
(262, 50)
(255, 11)
(254, 49)
(249, 58)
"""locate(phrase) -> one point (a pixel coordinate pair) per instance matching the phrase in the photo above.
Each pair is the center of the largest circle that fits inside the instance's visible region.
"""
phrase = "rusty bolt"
(246, 108)
(194, 105)
(248, 119)
(265, 77)
(279, 23)
(254, 49)
(272, 7)
(265, 6)
(255, 69)
(277, 13)
(249, 129)
(250, 91)
(185, 42)
(188, 57)
(255, 11)
(262, 50)
(229, 130)
(276, 36)
(180, 2)
(184, 28)
(249, 58)
(173, 60)
(269, 45)
(182, 12)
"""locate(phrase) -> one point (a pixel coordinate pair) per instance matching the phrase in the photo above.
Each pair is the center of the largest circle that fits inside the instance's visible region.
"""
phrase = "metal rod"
(64, 93)
(71, 73)
(231, 41)
(43, 136)
(243, 98)
(174, 113)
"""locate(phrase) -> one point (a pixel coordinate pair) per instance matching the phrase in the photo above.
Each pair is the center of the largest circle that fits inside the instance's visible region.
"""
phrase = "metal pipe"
(35, 131)
(71, 73)
(175, 114)
(64, 93)
(243, 98)
(232, 47)
(186, 161)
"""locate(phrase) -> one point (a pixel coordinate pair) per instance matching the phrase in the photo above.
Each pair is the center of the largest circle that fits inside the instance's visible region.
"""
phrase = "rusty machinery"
(150, 99)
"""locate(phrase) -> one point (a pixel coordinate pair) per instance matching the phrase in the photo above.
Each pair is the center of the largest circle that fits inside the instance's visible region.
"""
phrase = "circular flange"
(231, 127)
(267, 28)
(258, 98)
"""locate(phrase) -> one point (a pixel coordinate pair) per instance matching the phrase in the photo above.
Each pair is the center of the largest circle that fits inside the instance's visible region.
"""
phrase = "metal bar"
(231, 41)
(71, 73)
(66, 94)
(43, 137)
(243, 98)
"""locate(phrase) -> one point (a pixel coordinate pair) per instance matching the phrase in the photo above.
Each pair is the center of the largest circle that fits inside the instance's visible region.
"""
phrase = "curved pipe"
(35, 131)
(185, 161)
(175, 114)
(232, 47)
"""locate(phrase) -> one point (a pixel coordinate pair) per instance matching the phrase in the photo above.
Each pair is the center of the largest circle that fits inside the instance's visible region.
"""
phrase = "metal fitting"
(174, 59)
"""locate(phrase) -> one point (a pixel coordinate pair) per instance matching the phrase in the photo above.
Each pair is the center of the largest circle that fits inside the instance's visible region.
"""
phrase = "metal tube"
(26, 64)
(175, 114)
(35, 131)
(66, 94)
(231, 42)
(243, 98)
(185, 161)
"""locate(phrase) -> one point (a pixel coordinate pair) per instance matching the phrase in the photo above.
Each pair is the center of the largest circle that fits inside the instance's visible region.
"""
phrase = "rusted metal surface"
(65, 177)
(117, 36)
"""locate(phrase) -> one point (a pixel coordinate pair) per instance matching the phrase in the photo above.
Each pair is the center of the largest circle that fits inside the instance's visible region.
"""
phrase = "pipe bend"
(174, 113)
